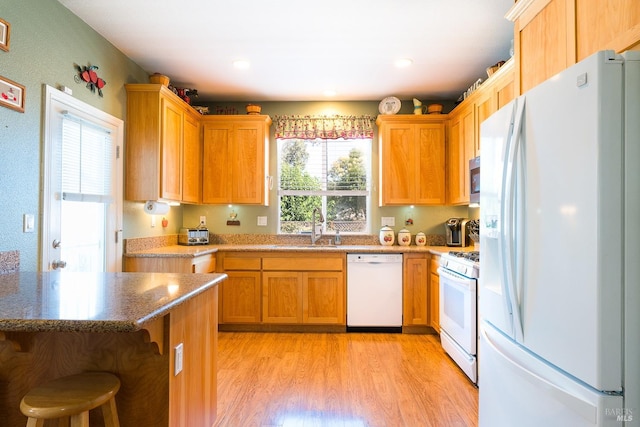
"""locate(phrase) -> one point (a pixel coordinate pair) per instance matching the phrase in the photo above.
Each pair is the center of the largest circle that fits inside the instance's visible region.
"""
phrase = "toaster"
(193, 236)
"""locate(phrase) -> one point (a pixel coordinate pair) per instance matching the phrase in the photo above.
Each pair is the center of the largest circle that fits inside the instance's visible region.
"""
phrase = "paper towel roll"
(156, 208)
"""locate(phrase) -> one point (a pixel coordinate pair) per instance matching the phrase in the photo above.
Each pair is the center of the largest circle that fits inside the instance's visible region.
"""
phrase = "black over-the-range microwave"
(474, 178)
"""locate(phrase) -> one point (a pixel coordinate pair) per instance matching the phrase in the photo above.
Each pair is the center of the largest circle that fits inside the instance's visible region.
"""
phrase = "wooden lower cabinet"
(434, 293)
(283, 289)
(415, 304)
(421, 291)
(240, 297)
(240, 294)
(323, 298)
(282, 297)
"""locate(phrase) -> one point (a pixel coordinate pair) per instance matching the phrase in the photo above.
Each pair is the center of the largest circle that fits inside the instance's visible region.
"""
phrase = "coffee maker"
(456, 231)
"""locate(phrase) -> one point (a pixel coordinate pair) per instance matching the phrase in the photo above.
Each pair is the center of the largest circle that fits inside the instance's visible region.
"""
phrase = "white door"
(82, 197)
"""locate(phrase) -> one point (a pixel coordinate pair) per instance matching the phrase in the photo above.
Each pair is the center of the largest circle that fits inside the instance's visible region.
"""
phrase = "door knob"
(58, 264)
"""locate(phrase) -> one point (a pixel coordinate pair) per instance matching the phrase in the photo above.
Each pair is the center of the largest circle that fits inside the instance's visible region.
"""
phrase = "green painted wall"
(46, 41)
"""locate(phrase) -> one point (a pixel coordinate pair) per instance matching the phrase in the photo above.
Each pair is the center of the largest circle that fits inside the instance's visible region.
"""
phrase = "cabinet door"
(415, 290)
(216, 172)
(171, 151)
(460, 149)
(240, 297)
(546, 45)
(505, 90)
(470, 144)
(485, 106)
(247, 159)
(429, 164)
(606, 25)
(397, 156)
(434, 294)
(323, 296)
(192, 161)
(204, 264)
(282, 297)
(455, 155)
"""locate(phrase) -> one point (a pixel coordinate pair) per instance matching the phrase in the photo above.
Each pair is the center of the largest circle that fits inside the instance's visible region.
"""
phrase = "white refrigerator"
(559, 286)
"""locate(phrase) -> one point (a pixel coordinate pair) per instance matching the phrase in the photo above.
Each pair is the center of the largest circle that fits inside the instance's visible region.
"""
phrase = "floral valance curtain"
(333, 127)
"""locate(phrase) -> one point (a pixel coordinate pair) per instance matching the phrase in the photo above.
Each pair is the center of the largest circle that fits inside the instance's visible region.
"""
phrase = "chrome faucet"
(316, 231)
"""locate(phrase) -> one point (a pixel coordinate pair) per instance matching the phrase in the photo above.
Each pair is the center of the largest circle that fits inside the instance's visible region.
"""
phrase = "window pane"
(332, 175)
(83, 227)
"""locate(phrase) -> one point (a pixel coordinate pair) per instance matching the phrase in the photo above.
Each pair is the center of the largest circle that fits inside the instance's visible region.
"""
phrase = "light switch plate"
(28, 223)
(388, 220)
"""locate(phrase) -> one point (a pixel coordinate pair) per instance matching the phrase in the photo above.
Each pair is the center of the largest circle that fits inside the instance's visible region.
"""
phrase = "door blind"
(87, 155)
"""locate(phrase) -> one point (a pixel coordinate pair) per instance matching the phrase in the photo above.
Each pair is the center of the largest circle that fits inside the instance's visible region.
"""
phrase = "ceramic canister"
(386, 236)
(421, 239)
(404, 237)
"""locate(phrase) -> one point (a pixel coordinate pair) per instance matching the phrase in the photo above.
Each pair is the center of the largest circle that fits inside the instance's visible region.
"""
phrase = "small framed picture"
(11, 94)
(4, 34)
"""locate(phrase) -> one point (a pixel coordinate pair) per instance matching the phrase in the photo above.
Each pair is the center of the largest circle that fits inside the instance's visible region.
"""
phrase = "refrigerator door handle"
(509, 236)
(582, 407)
(503, 241)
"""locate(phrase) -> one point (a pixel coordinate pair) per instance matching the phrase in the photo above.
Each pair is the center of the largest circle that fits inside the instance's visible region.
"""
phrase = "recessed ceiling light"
(403, 62)
(241, 64)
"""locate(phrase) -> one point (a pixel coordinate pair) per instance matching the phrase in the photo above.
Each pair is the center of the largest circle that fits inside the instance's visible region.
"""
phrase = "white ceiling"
(297, 49)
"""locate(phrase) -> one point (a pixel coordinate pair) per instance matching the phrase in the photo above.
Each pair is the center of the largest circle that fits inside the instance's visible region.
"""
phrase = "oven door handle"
(457, 279)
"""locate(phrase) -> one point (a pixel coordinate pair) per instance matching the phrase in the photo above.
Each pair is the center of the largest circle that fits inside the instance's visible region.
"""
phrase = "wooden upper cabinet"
(464, 129)
(192, 161)
(461, 148)
(606, 25)
(235, 159)
(551, 35)
(158, 124)
(412, 159)
(171, 150)
(543, 42)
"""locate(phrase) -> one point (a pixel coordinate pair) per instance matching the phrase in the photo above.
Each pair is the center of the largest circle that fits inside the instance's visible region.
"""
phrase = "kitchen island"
(60, 323)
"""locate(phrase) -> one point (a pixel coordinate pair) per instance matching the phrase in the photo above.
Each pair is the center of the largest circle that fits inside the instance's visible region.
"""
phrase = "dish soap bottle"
(338, 238)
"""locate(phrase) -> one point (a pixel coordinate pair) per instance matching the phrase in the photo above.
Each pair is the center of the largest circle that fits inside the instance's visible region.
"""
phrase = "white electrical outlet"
(262, 221)
(203, 220)
(178, 359)
(388, 220)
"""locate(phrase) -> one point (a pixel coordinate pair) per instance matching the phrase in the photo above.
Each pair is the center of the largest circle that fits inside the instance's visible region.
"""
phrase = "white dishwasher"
(374, 292)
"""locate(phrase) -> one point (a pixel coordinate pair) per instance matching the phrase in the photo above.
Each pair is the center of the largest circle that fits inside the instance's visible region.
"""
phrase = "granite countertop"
(93, 302)
(166, 246)
(178, 251)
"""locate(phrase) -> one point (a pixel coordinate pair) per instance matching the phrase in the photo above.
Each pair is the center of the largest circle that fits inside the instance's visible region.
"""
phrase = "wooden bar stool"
(73, 397)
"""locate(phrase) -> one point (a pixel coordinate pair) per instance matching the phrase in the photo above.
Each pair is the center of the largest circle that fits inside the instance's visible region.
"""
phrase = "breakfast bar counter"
(54, 324)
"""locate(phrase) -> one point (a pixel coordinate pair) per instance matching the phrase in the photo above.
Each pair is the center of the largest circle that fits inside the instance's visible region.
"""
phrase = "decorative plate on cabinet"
(389, 105)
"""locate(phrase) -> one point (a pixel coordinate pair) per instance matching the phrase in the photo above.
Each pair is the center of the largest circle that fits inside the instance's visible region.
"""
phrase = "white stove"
(465, 263)
(459, 272)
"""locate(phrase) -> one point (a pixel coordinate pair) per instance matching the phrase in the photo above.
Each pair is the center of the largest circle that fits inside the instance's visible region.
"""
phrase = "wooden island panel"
(39, 346)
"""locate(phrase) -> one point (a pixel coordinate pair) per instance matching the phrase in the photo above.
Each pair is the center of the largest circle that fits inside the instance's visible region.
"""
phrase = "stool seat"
(73, 395)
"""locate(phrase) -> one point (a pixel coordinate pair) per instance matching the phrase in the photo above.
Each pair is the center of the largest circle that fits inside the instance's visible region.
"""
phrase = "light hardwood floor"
(354, 379)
